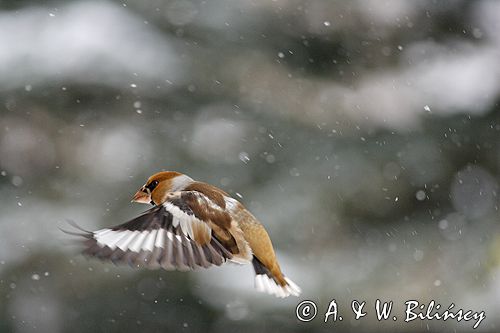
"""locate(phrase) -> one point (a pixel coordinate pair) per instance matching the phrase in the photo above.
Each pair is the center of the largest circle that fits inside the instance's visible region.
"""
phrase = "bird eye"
(151, 186)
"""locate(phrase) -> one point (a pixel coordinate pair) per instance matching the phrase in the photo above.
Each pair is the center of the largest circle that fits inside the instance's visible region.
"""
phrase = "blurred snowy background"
(364, 134)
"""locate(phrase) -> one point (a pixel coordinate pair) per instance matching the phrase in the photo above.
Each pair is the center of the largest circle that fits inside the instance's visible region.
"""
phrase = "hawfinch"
(192, 224)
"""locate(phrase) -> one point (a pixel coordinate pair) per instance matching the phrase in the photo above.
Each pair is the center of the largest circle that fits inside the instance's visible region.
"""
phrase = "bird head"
(159, 185)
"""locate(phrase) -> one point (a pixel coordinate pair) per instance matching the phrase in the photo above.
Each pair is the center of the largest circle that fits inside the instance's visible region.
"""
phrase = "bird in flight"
(191, 224)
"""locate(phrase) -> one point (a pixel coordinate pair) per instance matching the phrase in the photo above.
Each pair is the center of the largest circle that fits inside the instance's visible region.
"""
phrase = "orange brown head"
(159, 185)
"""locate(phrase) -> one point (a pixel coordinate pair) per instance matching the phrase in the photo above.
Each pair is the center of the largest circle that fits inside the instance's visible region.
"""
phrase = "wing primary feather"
(207, 253)
(154, 260)
(136, 245)
(175, 256)
(199, 256)
(158, 249)
(117, 255)
(78, 234)
(110, 239)
(149, 242)
(123, 244)
(102, 232)
(160, 238)
(166, 261)
(112, 244)
(183, 226)
(179, 252)
(189, 253)
(216, 257)
(75, 225)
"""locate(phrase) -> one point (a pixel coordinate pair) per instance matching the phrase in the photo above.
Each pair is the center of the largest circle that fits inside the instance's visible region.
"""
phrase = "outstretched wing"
(174, 235)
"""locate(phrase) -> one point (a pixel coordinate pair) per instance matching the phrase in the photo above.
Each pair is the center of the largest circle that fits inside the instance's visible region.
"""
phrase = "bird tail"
(273, 284)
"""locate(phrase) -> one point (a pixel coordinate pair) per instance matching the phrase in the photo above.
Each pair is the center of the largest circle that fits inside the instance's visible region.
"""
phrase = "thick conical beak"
(142, 197)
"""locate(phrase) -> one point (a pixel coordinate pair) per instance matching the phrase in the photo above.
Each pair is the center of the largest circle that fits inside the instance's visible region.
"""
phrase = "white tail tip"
(264, 283)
